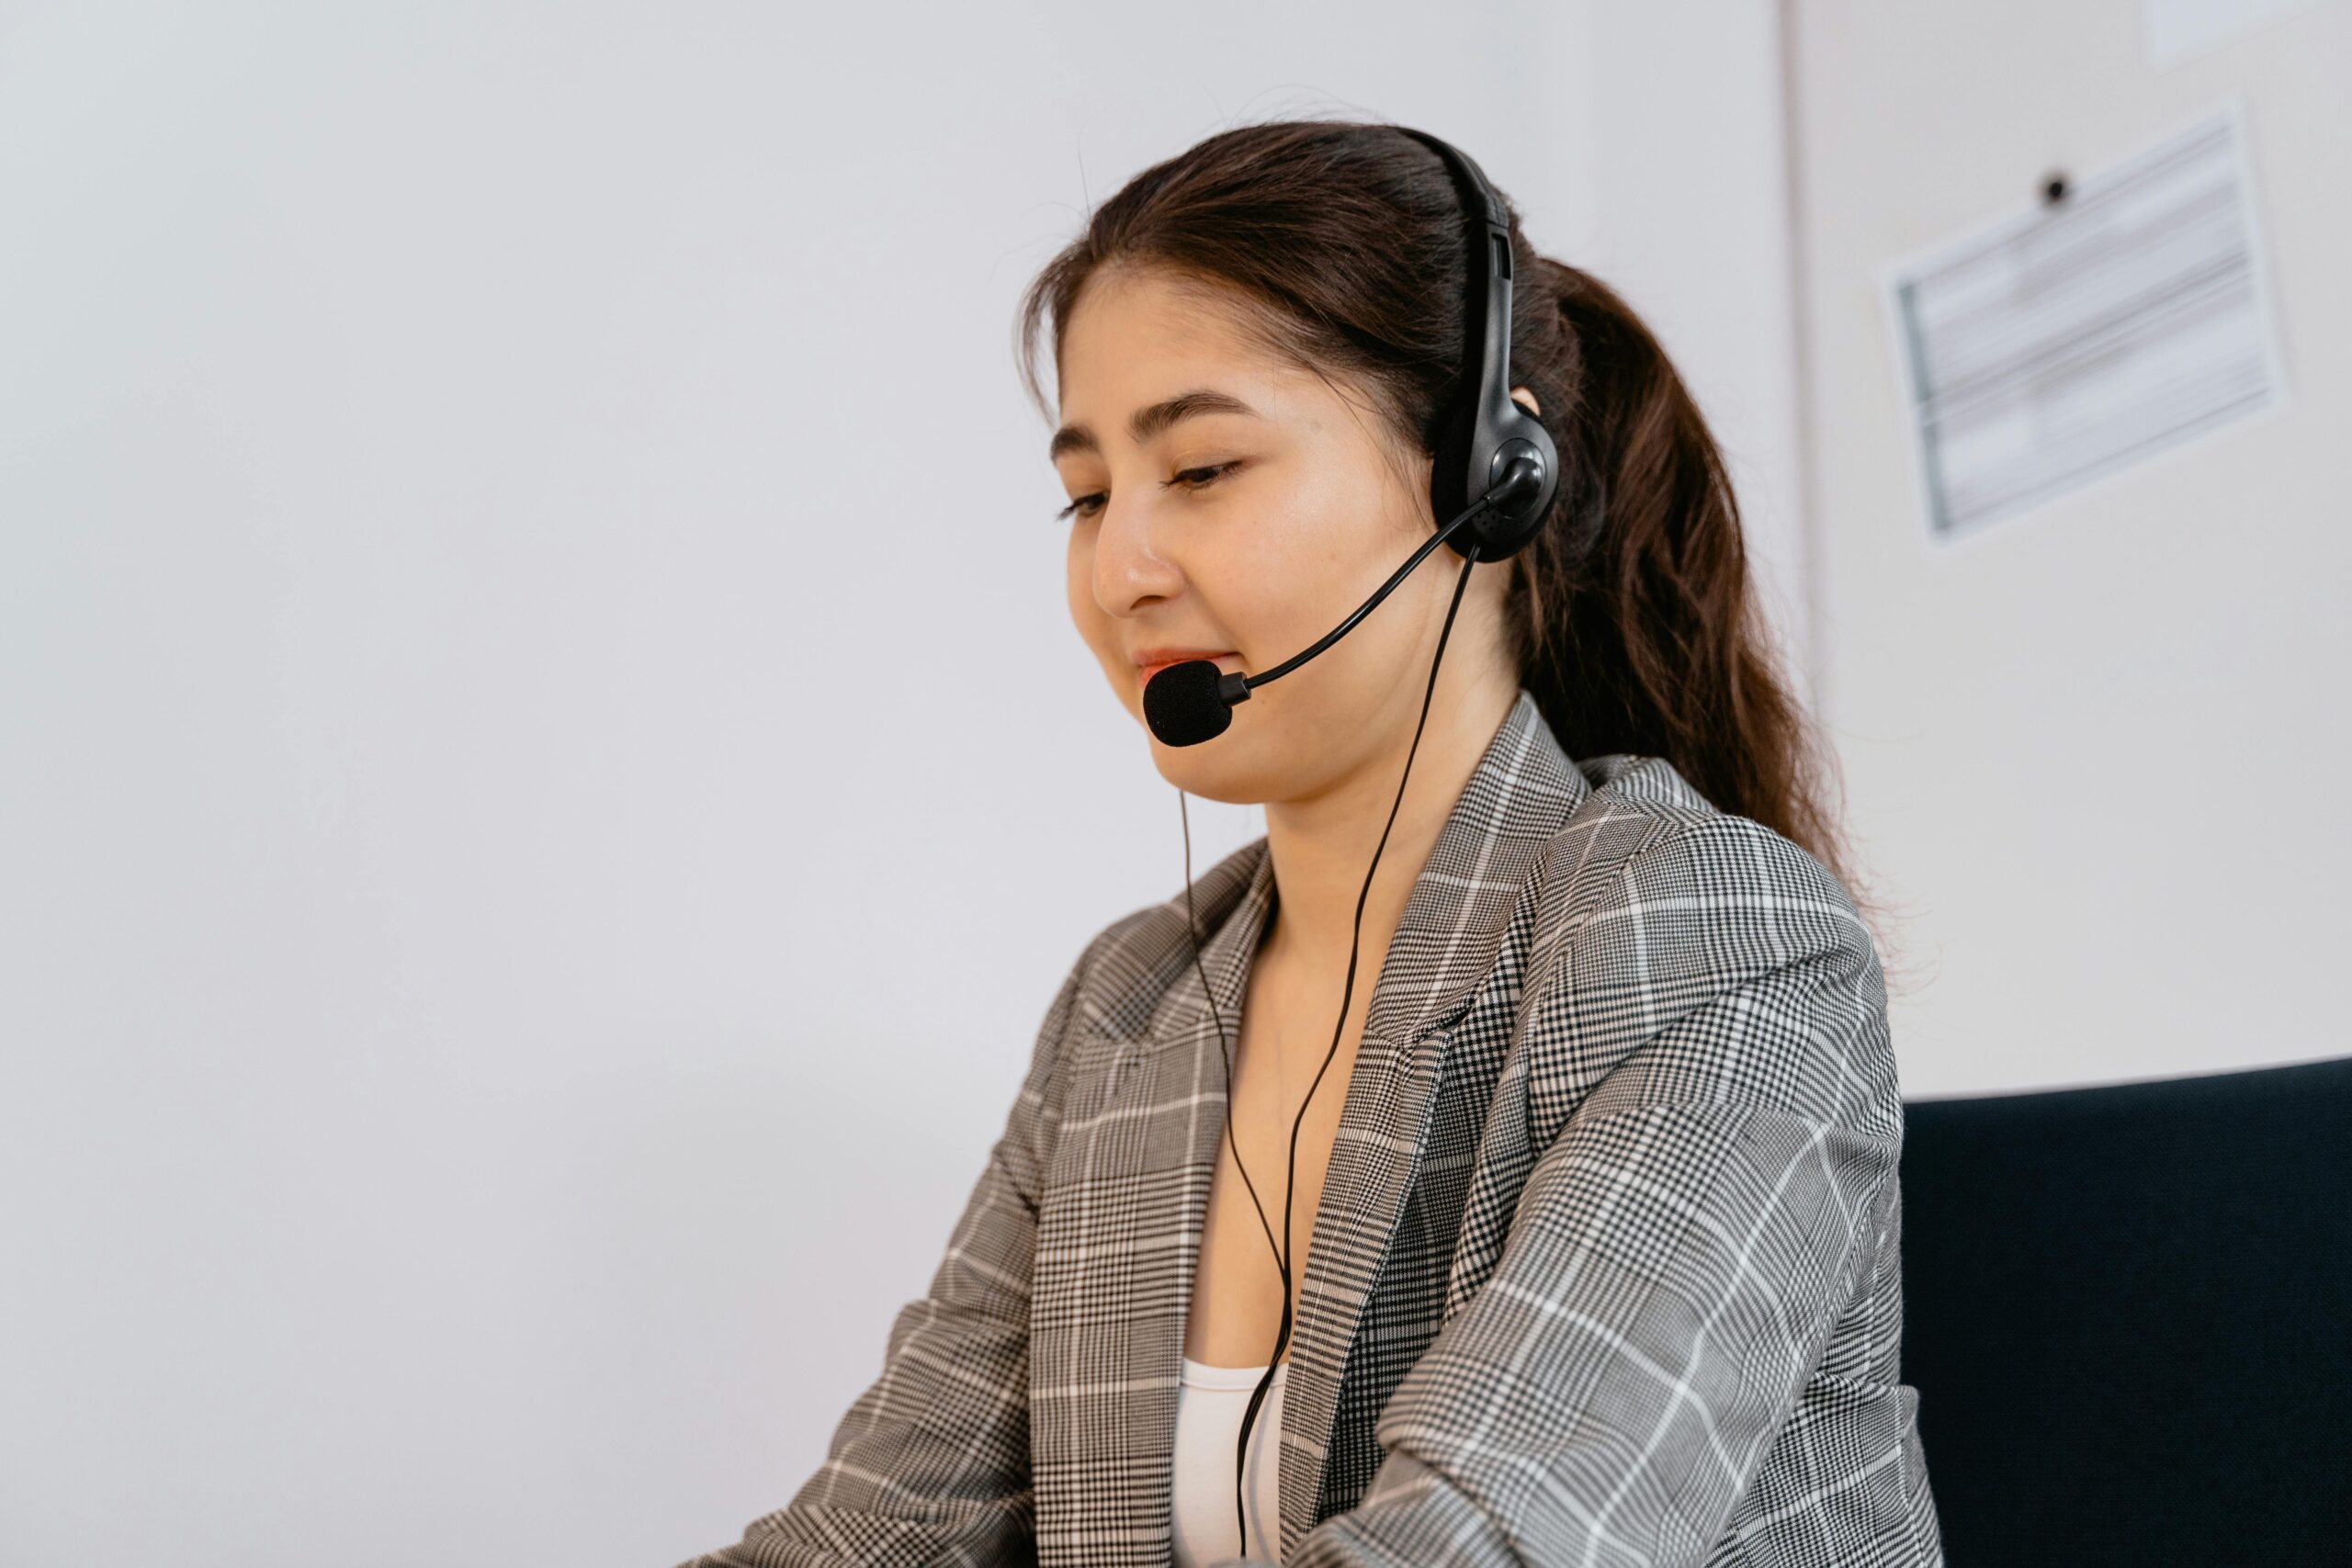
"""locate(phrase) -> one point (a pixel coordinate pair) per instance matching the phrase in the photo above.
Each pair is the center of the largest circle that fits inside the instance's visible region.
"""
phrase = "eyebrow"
(1152, 420)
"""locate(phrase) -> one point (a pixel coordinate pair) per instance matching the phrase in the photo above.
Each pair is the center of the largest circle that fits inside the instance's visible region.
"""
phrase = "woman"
(1597, 1183)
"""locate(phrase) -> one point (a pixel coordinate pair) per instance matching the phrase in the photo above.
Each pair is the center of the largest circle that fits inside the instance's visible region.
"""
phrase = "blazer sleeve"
(930, 1463)
(1684, 1245)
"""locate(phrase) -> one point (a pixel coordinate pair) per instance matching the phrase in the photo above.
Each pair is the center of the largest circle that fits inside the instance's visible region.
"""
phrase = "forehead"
(1134, 337)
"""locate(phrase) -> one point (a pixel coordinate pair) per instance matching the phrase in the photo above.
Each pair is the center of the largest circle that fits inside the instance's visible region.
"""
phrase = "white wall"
(2097, 751)
(520, 548)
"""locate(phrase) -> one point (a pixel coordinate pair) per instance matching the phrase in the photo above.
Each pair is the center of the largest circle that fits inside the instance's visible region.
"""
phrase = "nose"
(1130, 570)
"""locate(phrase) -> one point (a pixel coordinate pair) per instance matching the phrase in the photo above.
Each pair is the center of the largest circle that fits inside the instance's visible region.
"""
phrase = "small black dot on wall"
(2054, 189)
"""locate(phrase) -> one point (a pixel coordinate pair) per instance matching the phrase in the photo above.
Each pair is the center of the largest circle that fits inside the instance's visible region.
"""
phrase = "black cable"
(1282, 1253)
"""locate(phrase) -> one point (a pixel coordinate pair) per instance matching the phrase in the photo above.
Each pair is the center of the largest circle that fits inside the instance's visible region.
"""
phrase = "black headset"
(1485, 432)
(1495, 470)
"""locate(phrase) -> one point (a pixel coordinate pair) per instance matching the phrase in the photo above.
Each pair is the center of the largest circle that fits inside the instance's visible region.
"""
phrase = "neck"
(1322, 844)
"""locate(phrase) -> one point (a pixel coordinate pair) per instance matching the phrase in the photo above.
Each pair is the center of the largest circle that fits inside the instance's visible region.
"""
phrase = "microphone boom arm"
(1236, 687)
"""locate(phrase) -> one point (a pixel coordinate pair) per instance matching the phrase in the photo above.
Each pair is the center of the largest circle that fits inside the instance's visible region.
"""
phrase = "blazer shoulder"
(1686, 953)
(1644, 822)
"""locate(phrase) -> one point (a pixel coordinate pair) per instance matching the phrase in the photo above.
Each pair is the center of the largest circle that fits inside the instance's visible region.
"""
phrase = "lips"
(1144, 672)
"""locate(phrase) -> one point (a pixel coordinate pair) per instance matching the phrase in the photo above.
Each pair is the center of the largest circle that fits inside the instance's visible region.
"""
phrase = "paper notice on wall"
(2175, 30)
(2090, 335)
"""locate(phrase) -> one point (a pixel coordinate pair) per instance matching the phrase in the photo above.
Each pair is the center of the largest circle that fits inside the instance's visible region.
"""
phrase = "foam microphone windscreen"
(1182, 705)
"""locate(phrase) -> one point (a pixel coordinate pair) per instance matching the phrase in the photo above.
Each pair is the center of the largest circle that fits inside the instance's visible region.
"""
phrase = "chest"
(1266, 1190)
(1130, 1274)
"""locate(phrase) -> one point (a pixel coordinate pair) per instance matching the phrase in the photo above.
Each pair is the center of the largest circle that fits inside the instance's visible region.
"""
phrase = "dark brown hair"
(1631, 614)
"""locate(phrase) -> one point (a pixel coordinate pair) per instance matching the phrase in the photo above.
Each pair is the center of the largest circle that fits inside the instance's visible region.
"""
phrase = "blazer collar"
(1446, 952)
(1444, 946)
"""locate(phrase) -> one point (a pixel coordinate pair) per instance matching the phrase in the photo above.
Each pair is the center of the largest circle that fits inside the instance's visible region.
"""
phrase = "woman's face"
(1228, 502)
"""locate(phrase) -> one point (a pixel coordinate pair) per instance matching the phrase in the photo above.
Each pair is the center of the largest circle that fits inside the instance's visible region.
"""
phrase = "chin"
(1230, 768)
(1225, 788)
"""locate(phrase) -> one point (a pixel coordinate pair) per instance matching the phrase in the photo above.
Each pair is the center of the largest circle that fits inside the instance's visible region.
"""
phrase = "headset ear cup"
(1449, 475)
(1530, 429)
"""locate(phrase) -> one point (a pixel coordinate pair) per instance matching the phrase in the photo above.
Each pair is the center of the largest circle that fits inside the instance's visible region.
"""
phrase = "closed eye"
(1195, 480)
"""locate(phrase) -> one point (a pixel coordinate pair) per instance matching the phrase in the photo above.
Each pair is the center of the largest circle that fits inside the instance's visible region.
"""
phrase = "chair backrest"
(2127, 1312)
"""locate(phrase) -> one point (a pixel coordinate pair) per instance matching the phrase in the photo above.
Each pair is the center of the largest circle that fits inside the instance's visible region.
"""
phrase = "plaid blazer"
(1607, 1266)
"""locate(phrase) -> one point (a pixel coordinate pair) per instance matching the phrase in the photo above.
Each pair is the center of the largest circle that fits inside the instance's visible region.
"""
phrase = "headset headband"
(1483, 429)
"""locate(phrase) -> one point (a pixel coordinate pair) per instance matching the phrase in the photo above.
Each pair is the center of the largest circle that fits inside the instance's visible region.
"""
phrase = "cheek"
(1327, 536)
(1342, 502)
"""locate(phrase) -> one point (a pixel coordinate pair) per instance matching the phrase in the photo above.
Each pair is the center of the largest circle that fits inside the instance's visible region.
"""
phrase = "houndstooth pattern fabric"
(1606, 1269)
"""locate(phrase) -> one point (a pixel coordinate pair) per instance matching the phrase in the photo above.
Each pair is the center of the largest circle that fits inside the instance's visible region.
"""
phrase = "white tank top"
(1208, 1423)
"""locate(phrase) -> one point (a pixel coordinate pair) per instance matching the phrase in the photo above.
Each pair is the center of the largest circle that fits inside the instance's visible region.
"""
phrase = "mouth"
(1227, 662)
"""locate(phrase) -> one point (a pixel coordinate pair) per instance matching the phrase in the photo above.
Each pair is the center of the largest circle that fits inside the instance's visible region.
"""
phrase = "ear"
(1525, 398)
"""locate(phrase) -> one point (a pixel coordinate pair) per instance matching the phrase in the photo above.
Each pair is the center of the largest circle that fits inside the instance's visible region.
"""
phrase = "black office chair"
(2127, 1312)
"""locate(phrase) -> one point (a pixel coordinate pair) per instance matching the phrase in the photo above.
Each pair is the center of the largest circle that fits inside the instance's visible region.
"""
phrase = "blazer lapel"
(1345, 1359)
